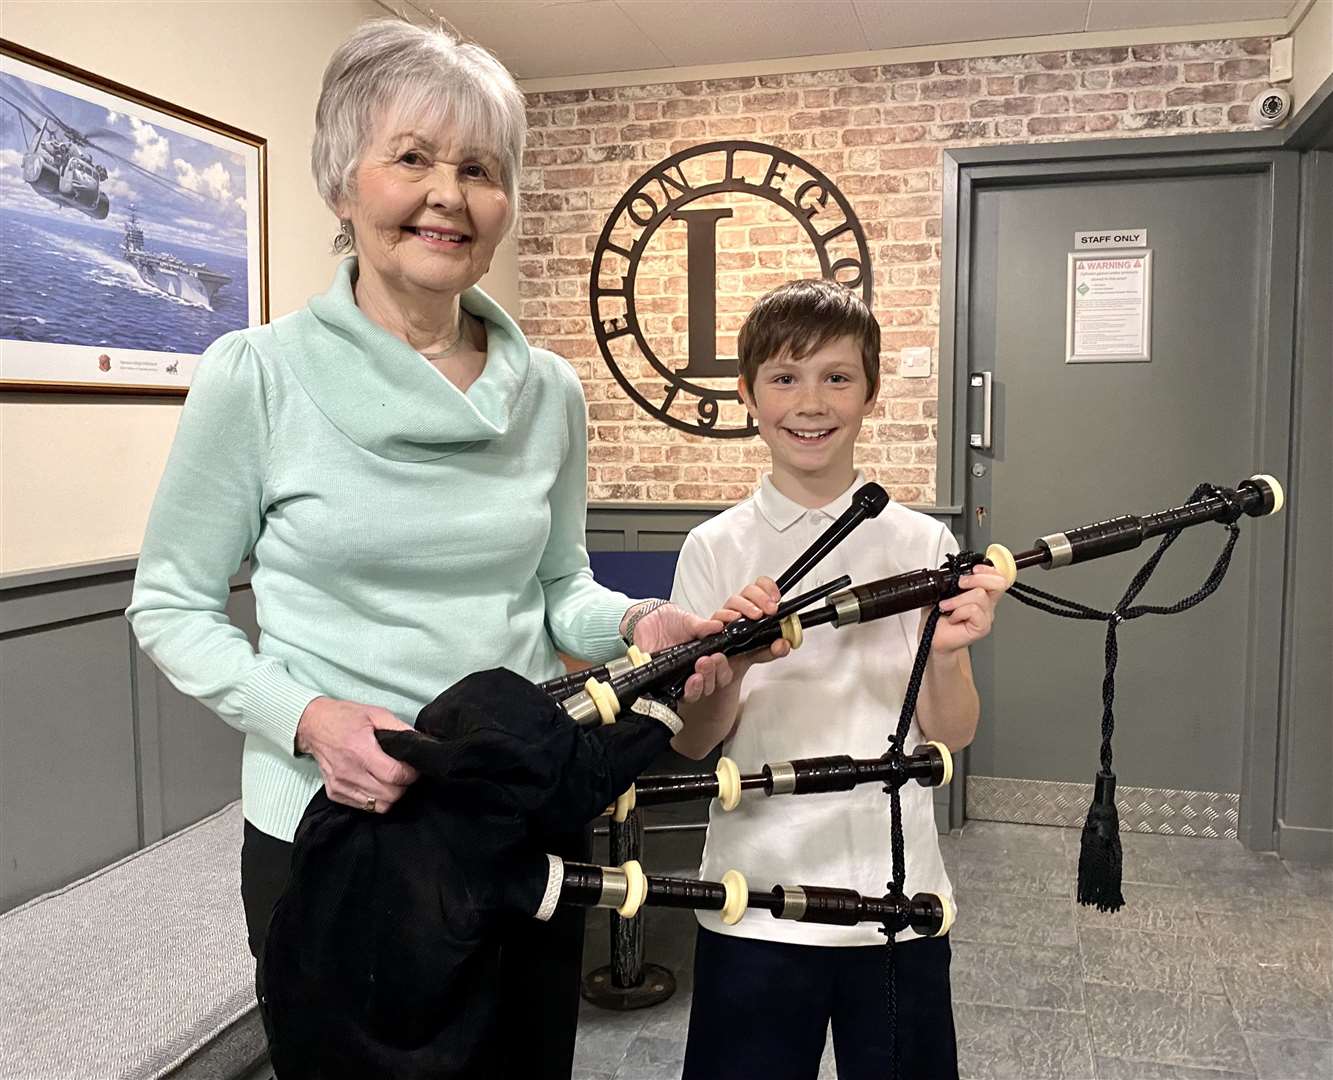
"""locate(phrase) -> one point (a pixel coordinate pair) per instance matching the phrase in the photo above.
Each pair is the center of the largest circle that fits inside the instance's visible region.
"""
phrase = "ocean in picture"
(67, 282)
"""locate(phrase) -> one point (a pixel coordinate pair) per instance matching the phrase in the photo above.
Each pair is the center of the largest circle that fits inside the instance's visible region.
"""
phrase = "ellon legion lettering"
(662, 194)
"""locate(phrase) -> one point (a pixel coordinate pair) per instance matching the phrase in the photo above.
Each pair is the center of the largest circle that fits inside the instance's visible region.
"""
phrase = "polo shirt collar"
(782, 512)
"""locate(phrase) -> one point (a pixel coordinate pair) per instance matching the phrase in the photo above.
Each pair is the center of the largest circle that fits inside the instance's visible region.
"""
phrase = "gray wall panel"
(199, 754)
(200, 759)
(618, 528)
(606, 540)
(661, 540)
(1305, 801)
(68, 796)
(34, 606)
(99, 755)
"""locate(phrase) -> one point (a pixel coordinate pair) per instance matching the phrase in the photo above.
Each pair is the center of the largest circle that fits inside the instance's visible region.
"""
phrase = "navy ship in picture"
(193, 282)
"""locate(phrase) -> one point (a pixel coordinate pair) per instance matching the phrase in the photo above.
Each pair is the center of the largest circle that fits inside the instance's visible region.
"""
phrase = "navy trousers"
(762, 1008)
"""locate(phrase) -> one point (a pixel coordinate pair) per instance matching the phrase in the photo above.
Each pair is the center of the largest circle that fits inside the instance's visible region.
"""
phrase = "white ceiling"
(541, 39)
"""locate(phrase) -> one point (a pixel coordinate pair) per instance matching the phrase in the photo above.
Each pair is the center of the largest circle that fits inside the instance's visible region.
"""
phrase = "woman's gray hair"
(430, 75)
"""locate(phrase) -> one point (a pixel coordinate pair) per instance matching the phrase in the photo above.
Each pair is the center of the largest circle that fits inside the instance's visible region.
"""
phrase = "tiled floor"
(1218, 967)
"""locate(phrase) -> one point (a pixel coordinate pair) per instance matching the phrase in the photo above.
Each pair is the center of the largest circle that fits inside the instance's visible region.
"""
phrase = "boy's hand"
(967, 617)
(754, 602)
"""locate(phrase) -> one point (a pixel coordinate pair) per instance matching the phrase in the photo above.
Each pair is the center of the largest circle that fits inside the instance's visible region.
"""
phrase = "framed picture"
(133, 232)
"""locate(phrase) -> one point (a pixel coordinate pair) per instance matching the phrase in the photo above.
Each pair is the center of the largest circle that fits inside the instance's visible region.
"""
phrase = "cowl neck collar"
(384, 395)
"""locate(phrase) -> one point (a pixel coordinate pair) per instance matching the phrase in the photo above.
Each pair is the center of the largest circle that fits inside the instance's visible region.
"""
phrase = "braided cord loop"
(1126, 609)
(955, 566)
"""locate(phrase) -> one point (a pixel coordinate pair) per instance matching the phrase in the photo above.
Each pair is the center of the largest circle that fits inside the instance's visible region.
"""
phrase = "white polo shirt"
(840, 693)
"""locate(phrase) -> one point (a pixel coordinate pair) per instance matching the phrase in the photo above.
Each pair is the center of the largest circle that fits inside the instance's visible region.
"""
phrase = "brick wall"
(879, 134)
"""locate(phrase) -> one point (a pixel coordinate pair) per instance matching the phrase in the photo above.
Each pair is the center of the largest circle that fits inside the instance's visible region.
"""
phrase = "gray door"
(1076, 443)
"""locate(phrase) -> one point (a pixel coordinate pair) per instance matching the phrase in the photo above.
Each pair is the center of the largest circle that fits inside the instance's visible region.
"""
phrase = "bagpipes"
(383, 954)
(606, 690)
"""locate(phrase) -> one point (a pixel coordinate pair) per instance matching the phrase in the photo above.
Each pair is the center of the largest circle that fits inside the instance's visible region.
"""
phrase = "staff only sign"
(718, 202)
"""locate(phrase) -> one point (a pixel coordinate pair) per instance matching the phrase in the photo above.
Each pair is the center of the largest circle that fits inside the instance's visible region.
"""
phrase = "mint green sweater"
(401, 533)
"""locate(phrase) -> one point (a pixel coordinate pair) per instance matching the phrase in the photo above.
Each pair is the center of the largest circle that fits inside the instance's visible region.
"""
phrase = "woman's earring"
(343, 242)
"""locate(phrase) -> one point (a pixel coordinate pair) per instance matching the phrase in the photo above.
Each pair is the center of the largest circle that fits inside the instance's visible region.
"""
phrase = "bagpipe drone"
(382, 957)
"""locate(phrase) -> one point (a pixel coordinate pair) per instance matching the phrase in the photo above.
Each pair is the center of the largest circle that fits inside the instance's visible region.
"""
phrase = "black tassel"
(1099, 857)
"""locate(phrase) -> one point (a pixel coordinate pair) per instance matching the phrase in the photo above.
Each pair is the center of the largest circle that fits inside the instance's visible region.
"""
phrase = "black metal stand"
(627, 982)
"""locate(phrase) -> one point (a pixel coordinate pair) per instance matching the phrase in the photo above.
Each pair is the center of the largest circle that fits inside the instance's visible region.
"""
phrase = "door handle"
(981, 440)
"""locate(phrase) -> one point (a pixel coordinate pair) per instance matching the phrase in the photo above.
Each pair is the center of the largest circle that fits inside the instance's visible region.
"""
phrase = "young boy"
(766, 990)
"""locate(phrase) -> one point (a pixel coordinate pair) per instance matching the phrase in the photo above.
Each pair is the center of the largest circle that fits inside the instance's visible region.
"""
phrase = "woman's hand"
(709, 722)
(668, 625)
(967, 617)
(340, 736)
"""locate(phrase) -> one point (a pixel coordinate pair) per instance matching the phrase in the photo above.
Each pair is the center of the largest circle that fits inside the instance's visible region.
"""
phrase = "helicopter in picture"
(59, 162)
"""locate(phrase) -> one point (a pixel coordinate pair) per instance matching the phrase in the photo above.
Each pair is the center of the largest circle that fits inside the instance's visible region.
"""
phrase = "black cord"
(1125, 610)
(955, 566)
(891, 993)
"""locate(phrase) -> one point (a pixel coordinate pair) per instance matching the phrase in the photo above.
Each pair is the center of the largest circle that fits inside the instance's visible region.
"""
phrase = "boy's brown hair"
(802, 317)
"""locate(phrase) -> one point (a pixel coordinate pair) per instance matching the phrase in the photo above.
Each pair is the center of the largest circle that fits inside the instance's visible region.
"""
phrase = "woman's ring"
(369, 808)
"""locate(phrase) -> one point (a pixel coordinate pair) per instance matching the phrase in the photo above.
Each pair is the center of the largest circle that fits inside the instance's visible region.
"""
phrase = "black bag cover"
(382, 956)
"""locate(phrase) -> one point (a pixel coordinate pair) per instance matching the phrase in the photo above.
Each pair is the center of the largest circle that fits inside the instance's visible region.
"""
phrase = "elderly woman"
(408, 479)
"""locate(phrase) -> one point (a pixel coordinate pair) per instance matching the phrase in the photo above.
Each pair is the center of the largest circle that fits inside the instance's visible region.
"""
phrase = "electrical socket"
(914, 362)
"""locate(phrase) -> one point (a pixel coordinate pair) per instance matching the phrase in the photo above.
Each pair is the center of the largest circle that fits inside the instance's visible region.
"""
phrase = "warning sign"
(1110, 307)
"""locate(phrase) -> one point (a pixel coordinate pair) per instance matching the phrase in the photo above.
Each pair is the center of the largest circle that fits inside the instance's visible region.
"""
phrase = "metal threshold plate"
(1142, 809)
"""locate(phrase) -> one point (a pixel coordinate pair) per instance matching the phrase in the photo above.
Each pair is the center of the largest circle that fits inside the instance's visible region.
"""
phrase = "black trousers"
(541, 963)
(761, 1008)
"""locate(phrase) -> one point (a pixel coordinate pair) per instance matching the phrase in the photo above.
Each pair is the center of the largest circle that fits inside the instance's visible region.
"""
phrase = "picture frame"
(133, 232)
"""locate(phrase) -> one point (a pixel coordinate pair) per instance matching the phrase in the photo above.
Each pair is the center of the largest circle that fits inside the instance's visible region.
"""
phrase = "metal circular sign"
(660, 195)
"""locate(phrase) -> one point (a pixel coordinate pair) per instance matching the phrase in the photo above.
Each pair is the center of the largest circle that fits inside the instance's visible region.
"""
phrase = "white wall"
(1312, 53)
(77, 474)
